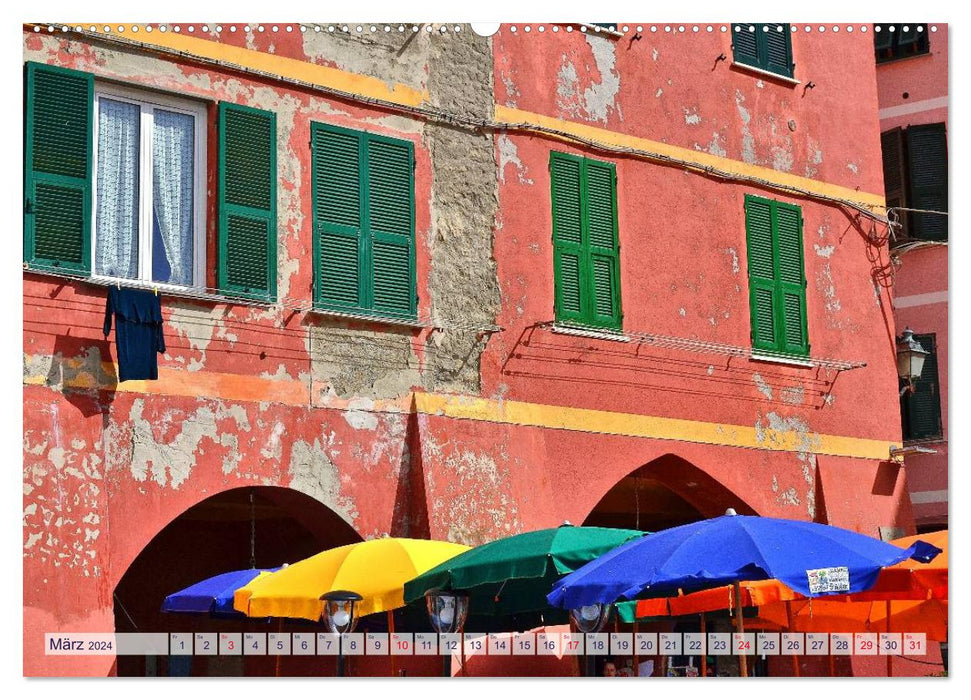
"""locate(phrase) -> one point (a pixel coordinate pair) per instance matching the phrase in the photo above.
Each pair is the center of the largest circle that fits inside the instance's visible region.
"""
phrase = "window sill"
(762, 356)
(189, 293)
(898, 59)
(616, 336)
(937, 440)
(766, 73)
(368, 318)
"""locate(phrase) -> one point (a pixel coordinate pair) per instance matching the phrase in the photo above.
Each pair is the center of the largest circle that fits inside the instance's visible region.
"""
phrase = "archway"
(665, 492)
(259, 526)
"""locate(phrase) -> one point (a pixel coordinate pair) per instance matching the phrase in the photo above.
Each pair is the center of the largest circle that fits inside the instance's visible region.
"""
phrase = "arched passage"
(259, 526)
(665, 492)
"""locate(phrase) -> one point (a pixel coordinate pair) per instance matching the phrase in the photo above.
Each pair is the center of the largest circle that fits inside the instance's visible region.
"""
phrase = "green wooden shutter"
(761, 273)
(338, 222)
(922, 410)
(59, 117)
(390, 214)
(602, 247)
(927, 156)
(777, 48)
(791, 279)
(745, 44)
(247, 201)
(569, 270)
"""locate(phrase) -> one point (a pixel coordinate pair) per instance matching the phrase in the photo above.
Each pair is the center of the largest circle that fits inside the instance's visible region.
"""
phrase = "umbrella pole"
(889, 656)
(390, 636)
(635, 646)
(740, 626)
(795, 659)
(704, 648)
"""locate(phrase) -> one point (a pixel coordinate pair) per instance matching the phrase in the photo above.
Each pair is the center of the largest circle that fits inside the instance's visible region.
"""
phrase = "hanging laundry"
(138, 331)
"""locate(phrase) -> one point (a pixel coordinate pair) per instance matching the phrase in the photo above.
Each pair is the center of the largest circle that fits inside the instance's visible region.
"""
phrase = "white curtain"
(116, 236)
(172, 152)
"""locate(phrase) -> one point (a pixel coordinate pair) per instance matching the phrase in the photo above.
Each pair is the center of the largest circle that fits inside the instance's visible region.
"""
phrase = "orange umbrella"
(821, 615)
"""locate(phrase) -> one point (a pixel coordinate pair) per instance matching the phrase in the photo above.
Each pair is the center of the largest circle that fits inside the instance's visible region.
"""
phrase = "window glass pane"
(116, 214)
(172, 227)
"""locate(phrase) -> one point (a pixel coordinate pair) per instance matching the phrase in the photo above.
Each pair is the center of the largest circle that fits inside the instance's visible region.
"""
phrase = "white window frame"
(148, 102)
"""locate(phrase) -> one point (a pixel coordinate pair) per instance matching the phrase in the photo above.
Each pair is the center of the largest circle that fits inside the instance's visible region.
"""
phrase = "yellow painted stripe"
(236, 387)
(292, 68)
(699, 159)
(635, 425)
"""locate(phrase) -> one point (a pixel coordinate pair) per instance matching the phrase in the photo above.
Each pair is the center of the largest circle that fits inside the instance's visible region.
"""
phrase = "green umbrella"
(507, 580)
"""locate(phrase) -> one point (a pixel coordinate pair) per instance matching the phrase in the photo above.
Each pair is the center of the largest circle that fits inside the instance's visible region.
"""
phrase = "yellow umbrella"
(375, 569)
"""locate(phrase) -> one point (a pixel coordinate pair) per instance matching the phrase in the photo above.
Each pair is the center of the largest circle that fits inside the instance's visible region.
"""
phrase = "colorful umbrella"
(375, 569)
(507, 580)
(213, 595)
(810, 558)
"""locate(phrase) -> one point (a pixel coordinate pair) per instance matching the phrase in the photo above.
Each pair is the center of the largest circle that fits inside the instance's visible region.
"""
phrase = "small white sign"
(817, 643)
(254, 644)
(524, 644)
(915, 644)
(376, 643)
(833, 579)
(767, 643)
(598, 643)
(426, 644)
(303, 644)
(402, 644)
(720, 643)
(793, 643)
(841, 643)
(278, 643)
(622, 643)
(572, 643)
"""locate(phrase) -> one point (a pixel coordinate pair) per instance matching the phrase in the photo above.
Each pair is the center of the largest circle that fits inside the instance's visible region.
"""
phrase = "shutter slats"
(745, 44)
(777, 279)
(247, 201)
(768, 47)
(927, 156)
(364, 215)
(585, 248)
(58, 169)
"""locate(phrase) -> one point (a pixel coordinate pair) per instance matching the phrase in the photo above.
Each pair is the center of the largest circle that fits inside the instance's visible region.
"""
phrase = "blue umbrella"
(213, 595)
(810, 558)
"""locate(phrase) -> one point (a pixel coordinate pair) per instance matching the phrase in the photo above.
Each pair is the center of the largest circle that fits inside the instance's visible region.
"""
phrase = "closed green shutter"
(927, 156)
(247, 201)
(745, 44)
(921, 409)
(768, 47)
(778, 48)
(58, 169)
(777, 280)
(603, 254)
(569, 270)
(586, 260)
(791, 277)
(364, 222)
(761, 272)
(391, 222)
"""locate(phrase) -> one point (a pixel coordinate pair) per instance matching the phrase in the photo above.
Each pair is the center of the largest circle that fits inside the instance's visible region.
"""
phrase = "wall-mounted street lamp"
(910, 360)
(447, 611)
(338, 615)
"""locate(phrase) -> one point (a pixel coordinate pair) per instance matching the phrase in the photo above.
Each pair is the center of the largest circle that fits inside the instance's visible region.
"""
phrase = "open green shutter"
(777, 48)
(569, 269)
(391, 223)
(247, 201)
(892, 149)
(763, 304)
(927, 155)
(791, 279)
(602, 247)
(338, 221)
(745, 44)
(58, 168)
(923, 407)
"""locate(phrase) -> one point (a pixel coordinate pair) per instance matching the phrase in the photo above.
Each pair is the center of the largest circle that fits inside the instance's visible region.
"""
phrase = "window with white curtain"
(149, 194)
